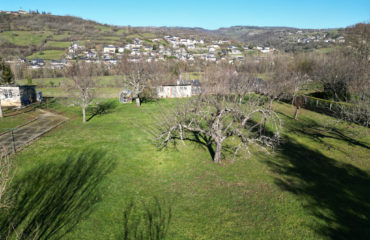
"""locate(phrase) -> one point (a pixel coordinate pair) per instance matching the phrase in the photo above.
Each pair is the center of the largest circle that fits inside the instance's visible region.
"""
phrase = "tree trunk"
(271, 101)
(217, 157)
(83, 114)
(138, 102)
(1, 110)
(296, 113)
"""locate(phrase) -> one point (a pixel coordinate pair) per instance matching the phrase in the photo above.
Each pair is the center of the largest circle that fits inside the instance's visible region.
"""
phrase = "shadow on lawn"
(101, 108)
(318, 132)
(52, 198)
(337, 193)
(148, 221)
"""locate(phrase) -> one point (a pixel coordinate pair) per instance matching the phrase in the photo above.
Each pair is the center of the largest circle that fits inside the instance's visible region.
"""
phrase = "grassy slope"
(106, 86)
(24, 38)
(64, 45)
(48, 55)
(310, 188)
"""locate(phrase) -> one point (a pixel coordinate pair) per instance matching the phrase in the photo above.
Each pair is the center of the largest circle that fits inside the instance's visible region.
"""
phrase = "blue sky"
(207, 14)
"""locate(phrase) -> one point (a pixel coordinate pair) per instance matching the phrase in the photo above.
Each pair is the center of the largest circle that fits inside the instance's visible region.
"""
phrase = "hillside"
(33, 34)
(288, 39)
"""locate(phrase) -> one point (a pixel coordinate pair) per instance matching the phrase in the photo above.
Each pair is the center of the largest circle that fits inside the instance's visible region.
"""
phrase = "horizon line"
(194, 27)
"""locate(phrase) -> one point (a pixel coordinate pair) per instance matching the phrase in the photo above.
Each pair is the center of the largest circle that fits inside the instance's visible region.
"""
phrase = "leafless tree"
(358, 39)
(335, 72)
(224, 79)
(345, 75)
(211, 119)
(82, 84)
(289, 75)
(298, 102)
(1, 110)
(137, 76)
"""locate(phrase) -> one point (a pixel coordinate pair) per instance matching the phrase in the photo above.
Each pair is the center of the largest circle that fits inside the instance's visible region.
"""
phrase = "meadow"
(78, 179)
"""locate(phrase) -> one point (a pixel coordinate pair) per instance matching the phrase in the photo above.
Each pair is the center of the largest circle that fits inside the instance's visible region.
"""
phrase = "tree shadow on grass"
(52, 198)
(101, 109)
(337, 193)
(318, 132)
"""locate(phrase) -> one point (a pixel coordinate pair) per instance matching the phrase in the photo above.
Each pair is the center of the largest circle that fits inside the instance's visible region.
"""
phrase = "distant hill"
(29, 34)
(286, 38)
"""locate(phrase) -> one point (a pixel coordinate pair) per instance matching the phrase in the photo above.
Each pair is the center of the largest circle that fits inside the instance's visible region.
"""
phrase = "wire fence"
(14, 139)
(349, 112)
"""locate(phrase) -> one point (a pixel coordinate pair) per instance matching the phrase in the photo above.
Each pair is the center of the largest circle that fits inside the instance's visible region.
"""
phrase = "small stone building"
(17, 96)
(181, 90)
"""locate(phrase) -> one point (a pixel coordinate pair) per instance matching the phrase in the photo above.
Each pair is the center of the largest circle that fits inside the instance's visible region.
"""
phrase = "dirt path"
(24, 135)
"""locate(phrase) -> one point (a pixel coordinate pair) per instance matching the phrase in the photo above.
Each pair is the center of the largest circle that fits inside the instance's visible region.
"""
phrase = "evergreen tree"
(6, 74)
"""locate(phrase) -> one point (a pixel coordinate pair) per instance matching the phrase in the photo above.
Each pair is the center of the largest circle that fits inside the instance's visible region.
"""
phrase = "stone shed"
(17, 96)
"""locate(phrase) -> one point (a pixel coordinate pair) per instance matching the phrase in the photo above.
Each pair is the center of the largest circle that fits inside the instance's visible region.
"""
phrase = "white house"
(181, 90)
(109, 49)
(211, 58)
(121, 49)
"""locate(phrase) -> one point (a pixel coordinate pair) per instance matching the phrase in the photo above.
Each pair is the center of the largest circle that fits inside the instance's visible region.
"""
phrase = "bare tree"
(82, 84)
(290, 74)
(345, 76)
(358, 39)
(137, 77)
(335, 72)
(211, 119)
(1, 110)
(279, 86)
(298, 102)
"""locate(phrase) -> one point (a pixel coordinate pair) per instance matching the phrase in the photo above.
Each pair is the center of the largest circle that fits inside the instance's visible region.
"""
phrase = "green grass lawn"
(16, 119)
(48, 54)
(58, 44)
(325, 50)
(23, 38)
(43, 82)
(103, 92)
(53, 87)
(102, 81)
(192, 75)
(103, 28)
(61, 36)
(314, 186)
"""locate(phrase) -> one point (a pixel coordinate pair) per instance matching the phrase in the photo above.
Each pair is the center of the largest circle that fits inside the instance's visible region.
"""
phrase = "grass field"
(325, 50)
(101, 81)
(48, 55)
(18, 119)
(53, 87)
(58, 44)
(23, 38)
(314, 186)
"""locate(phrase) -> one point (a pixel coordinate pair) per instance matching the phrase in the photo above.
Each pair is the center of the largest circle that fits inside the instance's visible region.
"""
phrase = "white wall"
(14, 100)
(174, 91)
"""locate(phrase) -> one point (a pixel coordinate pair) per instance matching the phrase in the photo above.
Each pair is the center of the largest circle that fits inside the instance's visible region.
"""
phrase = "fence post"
(330, 106)
(317, 102)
